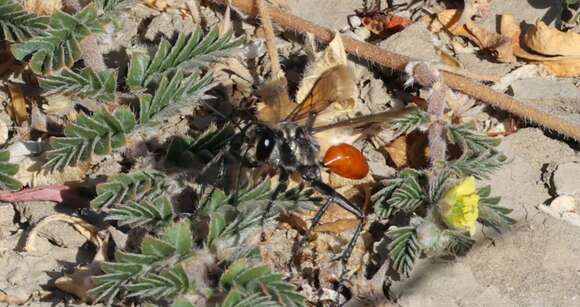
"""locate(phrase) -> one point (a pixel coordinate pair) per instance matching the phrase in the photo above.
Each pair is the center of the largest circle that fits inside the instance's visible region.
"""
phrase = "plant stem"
(398, 62)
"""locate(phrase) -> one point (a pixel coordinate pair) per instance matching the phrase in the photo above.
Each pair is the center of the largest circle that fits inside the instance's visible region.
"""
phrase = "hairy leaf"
(490, 213)
(7, 171)
(404, 248)
(182, 151)
(136, 186)
(186, 54)
(17, 25)
(151, 214)
(98, 134)
(135, 272)
(86, 83)
(244, 283)
(60, 46)
(165, 285)
(458, 242)
(478, 165)
(410, 122)
(470, 139)
(171, 95)
(228, 222)
(382, 207)
(409, 195)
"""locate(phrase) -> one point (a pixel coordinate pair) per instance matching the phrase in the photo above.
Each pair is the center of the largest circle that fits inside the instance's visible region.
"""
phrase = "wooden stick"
(398, 62)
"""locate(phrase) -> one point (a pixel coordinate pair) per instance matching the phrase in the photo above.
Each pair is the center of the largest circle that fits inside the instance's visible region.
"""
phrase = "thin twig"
(270, 40)
(398, 62)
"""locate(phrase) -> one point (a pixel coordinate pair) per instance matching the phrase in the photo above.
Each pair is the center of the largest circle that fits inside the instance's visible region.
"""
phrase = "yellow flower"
(459, 207)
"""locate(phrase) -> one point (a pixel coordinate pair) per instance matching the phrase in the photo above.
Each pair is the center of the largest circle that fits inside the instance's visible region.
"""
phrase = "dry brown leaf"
(42, 7)
(551, 41)
(17, 103)
(398, 152)
(499, 45)
(561, 66)
(338, 226)
(79, 283)
(160, 5)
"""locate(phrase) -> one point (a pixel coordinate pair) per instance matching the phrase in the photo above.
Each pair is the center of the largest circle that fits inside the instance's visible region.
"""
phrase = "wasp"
(283, 137)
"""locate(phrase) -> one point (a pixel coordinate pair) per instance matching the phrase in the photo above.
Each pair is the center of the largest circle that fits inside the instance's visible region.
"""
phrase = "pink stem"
(58, 193)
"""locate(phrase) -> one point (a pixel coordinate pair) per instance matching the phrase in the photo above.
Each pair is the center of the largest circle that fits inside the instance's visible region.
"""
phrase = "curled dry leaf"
(558, 51)
(79, 283)
(564, 63)
(551, 41)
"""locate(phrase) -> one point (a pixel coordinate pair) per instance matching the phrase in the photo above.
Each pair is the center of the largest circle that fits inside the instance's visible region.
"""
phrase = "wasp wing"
(385, 117)
(336, 85)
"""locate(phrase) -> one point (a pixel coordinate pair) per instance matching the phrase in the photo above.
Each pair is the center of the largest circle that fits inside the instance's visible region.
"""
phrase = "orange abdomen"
(347, 161)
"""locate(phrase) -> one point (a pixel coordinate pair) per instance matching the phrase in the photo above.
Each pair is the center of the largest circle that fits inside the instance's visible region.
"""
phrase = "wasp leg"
(313, 224)
(349, 206)
(345, 256)
(282, 184)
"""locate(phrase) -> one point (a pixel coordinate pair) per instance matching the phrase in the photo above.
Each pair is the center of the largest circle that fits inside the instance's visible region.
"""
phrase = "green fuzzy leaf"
(404, 248)
(459, 242)
(17, 25)
(7, 171)
(244, 284)
(151, 214)
(98, 134)
(86, 84)
(166, 285)
(182, 303)
(158, 248)
(409, 195)
(172, 95)
(186, 54)
(232, 223)
(59, 46)
(490, 213)
(410, 122)
(136, 186)
(183, 151)
(478, 165)
(147, 274)
(470, 139)
(180, 236)
(380, 199)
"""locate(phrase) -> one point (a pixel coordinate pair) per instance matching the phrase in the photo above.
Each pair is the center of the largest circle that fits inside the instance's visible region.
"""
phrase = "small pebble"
(563, 204)
(567, 179)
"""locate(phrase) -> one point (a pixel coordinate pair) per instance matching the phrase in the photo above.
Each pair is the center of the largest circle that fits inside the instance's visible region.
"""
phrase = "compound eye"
(265, 145)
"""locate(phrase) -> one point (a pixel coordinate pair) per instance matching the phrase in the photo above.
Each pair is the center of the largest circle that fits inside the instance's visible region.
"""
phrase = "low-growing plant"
(207, 253)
